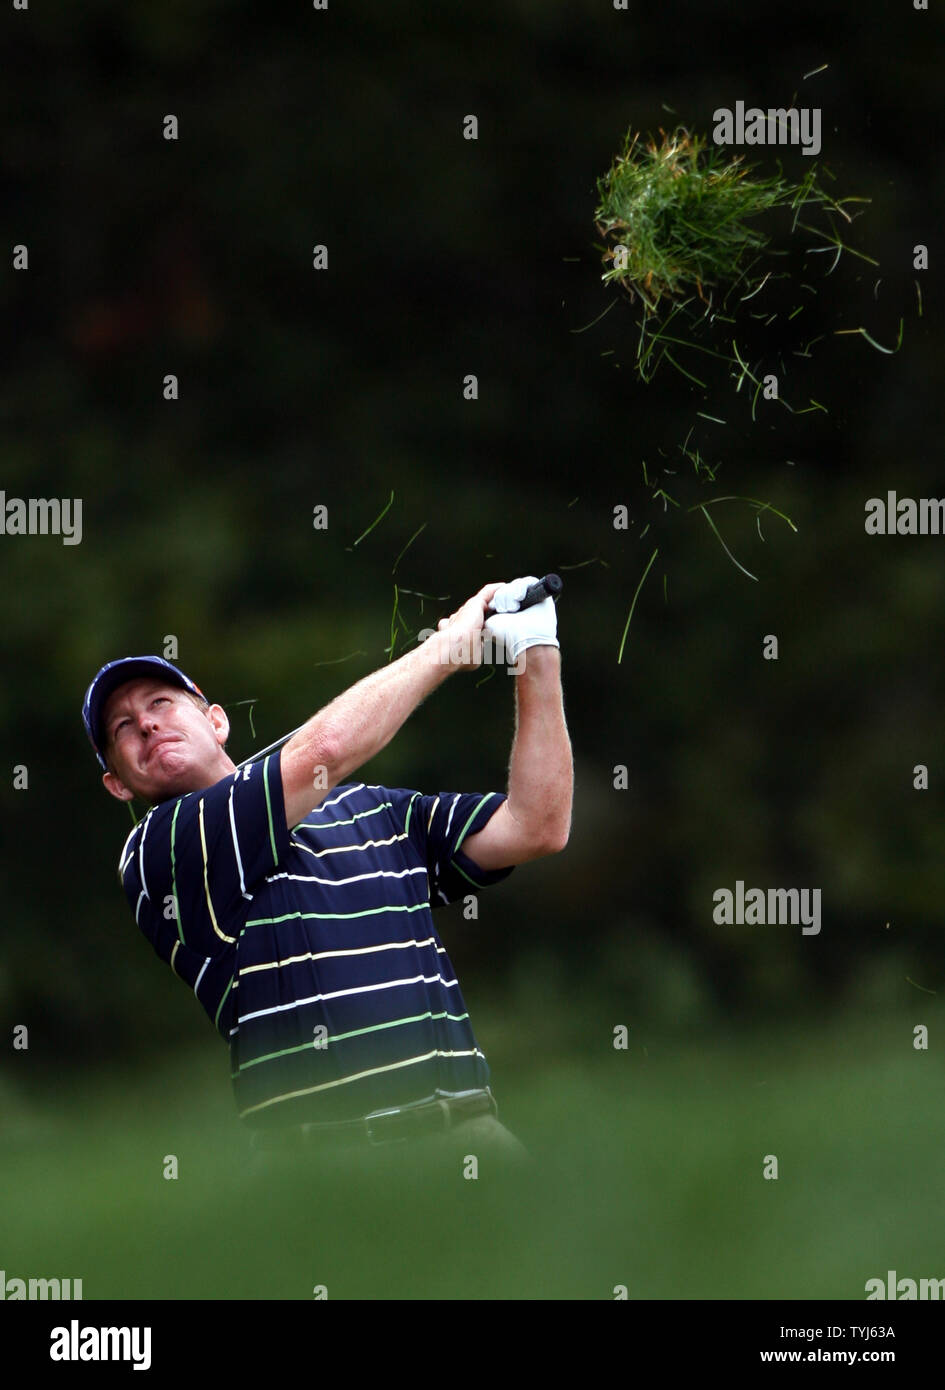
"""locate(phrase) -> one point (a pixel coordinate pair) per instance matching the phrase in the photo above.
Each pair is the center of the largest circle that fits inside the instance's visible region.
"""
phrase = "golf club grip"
(549, 587)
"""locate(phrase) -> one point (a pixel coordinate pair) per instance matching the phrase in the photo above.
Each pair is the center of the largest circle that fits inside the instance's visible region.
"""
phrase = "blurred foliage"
(647, 1171)
(300, 388)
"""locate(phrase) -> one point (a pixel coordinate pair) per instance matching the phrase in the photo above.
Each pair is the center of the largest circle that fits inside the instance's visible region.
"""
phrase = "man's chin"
(169, 777)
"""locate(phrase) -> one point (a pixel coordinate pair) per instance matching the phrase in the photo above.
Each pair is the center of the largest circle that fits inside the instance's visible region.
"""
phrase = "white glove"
(532, 627)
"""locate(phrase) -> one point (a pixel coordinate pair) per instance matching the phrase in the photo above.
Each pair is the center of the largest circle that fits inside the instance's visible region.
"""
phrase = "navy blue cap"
(116, 673)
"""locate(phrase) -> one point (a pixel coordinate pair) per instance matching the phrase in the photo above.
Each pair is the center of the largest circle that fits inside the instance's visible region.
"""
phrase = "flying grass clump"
(677, 216)
(680, 222)
(709, 250)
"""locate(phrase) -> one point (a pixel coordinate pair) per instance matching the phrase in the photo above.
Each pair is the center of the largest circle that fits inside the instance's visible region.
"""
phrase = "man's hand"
(536, 626)
(461, 632)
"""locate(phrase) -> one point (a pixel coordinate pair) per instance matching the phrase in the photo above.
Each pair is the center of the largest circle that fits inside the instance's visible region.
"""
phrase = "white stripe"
(349, 791)
(340, 824)
(440, 1091)
(347, 849)
(200, 976)
(356, 878)
(357, 1076)
(330, 955)
(236, 849)
(122, 861)
(144, 886)
(141, 895)
(436, 866)
(340, 993)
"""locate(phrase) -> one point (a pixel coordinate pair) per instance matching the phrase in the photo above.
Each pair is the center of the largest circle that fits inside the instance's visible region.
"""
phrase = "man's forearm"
(541, 771)
(361, 721)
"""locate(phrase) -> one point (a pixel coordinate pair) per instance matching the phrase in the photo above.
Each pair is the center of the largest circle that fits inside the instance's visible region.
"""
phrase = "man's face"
(160, 743)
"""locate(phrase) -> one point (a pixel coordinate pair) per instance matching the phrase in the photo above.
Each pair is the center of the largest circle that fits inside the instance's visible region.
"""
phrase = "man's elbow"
(325, 755)
(555, 839)
(311, 760)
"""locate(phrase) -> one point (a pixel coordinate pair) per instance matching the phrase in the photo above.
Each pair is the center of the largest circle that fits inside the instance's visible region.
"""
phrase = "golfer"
(296, 903)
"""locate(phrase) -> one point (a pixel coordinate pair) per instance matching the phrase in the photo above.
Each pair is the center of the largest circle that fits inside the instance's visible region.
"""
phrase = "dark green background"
(300, 388)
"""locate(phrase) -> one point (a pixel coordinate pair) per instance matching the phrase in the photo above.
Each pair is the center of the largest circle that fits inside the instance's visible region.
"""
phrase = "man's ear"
(116, 787)
(221, 724)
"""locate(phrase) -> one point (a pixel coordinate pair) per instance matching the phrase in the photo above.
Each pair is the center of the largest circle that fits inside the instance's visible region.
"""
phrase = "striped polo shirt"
(313, 950)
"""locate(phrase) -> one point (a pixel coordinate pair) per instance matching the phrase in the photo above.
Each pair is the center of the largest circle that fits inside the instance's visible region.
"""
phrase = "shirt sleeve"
(190, 868)
(439, 825)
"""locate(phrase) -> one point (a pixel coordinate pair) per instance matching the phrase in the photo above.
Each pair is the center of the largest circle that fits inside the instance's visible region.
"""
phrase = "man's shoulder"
(350, 799)
(357, 794)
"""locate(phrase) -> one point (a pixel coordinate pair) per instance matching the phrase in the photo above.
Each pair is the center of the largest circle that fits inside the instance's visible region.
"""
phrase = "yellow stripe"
(206, 883)
(173, 954)
(375, 1071)
(330, 955)
(337, 824)
(346, 849)
(433, 812)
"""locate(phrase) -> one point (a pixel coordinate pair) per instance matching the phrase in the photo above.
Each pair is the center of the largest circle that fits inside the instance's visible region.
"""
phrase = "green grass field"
(648, 1173)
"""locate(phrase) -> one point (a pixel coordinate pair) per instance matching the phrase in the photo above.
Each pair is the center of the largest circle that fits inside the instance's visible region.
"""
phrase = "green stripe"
(272, 836)
(345, 1080)
(462, 833)
(340, 1037)
(409, 814)
(216, 1017)
(180, 926)
(465, 875)
(359, 815)
(331, 916)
